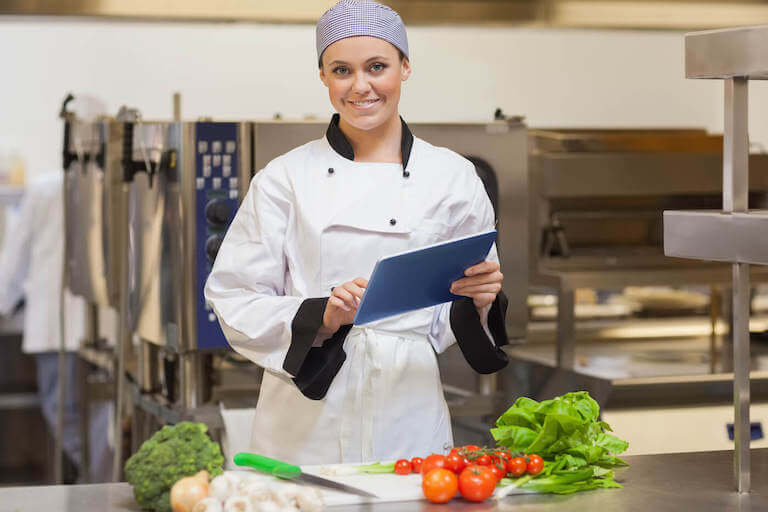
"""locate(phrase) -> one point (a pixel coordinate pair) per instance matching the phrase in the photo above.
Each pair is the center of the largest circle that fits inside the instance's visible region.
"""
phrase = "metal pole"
(58, 461)
(735, 199)
(83, 391)
(742, 431)
(714, 315)
(190, 380)
(123, 344)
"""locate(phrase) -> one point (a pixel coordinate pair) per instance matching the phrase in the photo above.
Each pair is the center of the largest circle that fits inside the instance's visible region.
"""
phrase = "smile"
(363, 104)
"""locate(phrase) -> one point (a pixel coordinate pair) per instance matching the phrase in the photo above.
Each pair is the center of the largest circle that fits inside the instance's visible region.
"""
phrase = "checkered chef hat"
(349, 18)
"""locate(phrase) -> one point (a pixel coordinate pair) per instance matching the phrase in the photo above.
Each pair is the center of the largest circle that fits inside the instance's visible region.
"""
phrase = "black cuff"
(481, 355)
(314, 368)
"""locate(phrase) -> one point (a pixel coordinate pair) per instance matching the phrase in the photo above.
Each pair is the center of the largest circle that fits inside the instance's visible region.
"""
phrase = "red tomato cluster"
(470, 470)
(406, 467)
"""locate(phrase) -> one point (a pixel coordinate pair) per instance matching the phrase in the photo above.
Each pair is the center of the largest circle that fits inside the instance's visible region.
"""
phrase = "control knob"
(217, 212)
(212, 246)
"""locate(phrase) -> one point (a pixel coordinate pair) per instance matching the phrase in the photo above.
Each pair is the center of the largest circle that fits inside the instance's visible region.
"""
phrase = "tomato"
(470, 447)
(535, 465)
(483, 460)
(439, 485)
(434, 461)
(476, 482)
(455, 462)
(497, 472)
(403, 467)
(517, 466)
(503, 455)
(416, 463)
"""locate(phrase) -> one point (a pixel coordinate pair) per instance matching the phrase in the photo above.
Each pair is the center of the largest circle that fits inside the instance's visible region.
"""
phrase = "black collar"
(341, 145)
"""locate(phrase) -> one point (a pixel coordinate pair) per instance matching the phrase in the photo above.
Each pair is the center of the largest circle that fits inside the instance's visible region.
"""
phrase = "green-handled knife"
(287, 471)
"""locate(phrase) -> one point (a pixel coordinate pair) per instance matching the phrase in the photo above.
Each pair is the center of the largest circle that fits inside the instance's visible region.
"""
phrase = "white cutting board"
(388, 487)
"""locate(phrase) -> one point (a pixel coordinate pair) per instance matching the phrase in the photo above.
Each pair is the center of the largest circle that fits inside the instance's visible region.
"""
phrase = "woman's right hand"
(342, 305)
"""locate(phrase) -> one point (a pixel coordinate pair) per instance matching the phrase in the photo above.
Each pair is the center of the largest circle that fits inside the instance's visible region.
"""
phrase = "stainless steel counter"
(690, 481)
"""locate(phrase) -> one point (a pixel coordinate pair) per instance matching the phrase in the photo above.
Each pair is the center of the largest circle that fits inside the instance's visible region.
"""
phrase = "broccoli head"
(171, 454)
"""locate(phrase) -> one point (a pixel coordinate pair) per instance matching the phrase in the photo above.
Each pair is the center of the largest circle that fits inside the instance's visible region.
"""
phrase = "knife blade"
(286, 471)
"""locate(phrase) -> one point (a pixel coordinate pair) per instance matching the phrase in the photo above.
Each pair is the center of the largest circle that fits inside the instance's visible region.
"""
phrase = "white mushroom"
(252, 478)
(257, 492)
(238, 504)
(208, 505)
(285, 494)
(309, 499)
(224, 486)
(267, 506)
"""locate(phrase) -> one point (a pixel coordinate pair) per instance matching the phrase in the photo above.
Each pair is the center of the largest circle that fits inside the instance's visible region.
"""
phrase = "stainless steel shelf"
(727, 53)
(718, 236)
(734, 234)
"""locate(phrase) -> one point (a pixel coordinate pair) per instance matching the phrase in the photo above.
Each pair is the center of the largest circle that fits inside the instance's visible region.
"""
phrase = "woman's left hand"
(483, 283)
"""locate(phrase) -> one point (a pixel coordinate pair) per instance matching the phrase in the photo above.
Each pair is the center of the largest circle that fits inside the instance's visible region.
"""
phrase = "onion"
(188, 491)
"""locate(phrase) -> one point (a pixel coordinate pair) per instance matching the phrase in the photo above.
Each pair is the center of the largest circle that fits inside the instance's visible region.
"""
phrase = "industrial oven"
(595, 221)
(185, 181)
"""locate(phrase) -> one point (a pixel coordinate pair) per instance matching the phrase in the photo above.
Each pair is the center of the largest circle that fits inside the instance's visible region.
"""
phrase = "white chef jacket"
(31, 267)
(314, 219)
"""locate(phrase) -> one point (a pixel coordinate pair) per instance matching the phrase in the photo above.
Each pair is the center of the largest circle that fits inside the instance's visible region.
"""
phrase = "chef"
(295, 262)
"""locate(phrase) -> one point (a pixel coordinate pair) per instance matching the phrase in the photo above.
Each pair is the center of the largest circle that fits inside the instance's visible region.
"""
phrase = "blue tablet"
(420, 278)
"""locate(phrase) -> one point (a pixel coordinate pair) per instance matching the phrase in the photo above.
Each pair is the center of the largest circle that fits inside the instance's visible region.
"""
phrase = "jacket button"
(330, 170)
(406, 174)
(392, 222)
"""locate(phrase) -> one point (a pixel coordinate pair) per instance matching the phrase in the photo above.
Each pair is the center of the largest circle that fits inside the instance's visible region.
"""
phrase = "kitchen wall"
(555, 77)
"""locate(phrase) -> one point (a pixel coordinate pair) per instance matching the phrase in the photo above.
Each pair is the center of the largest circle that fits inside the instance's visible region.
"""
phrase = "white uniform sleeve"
(15, 255)
(246, 285)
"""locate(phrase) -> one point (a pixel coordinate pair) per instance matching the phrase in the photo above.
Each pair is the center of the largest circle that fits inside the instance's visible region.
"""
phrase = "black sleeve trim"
(481, 355)
(314, 368)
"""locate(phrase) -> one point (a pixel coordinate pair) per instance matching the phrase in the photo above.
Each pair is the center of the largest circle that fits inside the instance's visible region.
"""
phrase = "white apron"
(302, 230)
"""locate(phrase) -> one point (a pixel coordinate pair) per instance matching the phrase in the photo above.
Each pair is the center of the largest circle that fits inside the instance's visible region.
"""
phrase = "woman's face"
(363, 75)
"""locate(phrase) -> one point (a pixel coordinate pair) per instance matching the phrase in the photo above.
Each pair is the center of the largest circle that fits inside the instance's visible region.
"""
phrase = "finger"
(342, 293)
(337, 302)
(493, 277)
(471, 291)
(481, 268)
(361, 282)
(353, 289)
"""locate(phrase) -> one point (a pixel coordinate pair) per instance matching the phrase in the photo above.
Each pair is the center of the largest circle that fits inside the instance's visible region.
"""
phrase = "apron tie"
(367, 355)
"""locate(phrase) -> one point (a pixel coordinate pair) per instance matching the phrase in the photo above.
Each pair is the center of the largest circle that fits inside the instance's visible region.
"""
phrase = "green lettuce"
(566, 432)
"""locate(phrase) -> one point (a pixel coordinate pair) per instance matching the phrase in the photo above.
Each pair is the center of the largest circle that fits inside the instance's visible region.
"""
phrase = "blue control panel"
(217, 190)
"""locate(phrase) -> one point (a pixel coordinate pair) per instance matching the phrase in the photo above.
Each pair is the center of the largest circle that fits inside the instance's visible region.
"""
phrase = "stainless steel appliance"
(92, 185)
(596, 203)
(94, 252)
(185, 181)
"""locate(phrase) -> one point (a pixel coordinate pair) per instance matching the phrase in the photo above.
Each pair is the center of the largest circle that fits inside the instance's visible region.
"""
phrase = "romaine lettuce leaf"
(567, 434)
